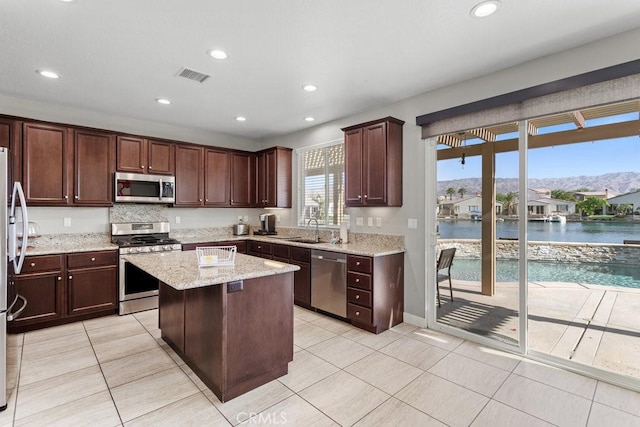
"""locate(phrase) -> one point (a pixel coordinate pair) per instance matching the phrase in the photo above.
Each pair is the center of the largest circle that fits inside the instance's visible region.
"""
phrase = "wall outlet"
(413, 223)
(240, 218)
(177, 220)
(370, 222)
(378, 222)
(67, 222)
(359, 221)
(278, 218)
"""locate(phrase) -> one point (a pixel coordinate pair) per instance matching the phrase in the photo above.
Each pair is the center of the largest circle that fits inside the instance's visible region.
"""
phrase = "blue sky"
(590, 158)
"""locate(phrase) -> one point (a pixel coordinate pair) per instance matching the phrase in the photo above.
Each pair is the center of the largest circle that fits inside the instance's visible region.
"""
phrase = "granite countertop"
(372, 245)
(180, 269)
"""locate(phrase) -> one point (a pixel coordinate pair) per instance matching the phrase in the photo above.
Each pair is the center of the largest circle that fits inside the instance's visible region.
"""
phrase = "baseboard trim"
(421, 322)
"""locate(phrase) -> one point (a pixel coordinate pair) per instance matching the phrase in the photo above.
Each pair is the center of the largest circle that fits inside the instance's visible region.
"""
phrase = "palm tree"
(462, 191)
(450, 192)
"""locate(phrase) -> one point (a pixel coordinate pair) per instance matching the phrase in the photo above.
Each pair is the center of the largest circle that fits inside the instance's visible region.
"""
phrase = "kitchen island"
(232, 325)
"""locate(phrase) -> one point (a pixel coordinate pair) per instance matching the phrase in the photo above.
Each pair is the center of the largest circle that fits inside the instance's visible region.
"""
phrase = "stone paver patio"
(590, 324)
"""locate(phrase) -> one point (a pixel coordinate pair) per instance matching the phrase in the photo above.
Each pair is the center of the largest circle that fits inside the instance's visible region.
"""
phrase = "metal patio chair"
(445, 261)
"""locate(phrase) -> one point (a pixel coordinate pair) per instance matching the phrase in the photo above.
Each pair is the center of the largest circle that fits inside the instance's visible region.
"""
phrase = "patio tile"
(625, 311)
(618, 351)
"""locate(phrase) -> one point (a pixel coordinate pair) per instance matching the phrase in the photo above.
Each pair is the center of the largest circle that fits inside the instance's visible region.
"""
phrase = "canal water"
(585, 232)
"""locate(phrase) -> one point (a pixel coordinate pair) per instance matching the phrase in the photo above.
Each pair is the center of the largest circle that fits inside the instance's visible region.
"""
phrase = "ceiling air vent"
(193, 75)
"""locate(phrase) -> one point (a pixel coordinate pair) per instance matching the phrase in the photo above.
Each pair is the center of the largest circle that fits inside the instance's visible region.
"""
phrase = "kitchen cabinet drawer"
(280, 251)
(358, 313)
(38, 264)
(359, 280)
(260, 247)
(359, 263)
(358, 296)
(92, 259)
(301, 254)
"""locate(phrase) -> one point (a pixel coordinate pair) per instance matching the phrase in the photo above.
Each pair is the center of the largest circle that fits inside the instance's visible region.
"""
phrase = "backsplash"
(132, 212)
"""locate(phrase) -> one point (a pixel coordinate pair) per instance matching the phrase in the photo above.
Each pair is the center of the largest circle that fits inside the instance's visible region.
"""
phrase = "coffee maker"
(267, 225)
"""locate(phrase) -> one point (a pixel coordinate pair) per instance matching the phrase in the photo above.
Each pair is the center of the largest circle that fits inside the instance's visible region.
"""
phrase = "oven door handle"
(160, 195)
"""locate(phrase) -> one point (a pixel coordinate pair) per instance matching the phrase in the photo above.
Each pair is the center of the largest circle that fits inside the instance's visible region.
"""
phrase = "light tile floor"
(117, 371)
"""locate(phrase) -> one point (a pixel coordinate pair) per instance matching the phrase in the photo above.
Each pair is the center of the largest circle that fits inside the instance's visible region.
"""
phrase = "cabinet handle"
(206, 200)
(70, 277)
(357, 280)
(357, 262)
(93, 259)
(141, 166)
(75, 197)
(33, 264)
(231, 200)
(359, 196)
(357, 313)
(59, 278)
(200, 199)
(66, 197)
(357, 296)
(150, 167)
(365, 196)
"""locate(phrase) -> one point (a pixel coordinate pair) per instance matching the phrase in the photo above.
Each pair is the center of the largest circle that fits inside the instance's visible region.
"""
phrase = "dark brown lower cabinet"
(65, 288)
(375, 291)
(217, 332)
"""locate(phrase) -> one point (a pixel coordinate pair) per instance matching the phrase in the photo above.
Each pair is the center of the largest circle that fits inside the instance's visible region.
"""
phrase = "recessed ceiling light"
(310, 88)
(486, 8)
(163, 101)
(48, 74)
(241, 118)
(309, 118)
(218, 54)
(66, 1)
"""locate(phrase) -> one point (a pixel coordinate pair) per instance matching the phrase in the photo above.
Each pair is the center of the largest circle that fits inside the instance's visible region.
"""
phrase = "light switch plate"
(67, 222)
(359, 220)
(413, 223)
(370, 222)
(378, 222)
(177, 220)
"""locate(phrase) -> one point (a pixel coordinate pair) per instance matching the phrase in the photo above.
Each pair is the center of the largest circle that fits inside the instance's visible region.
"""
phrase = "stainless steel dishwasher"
(329, 282)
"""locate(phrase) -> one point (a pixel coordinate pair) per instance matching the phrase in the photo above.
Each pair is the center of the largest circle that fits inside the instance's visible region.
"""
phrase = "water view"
(586, 231)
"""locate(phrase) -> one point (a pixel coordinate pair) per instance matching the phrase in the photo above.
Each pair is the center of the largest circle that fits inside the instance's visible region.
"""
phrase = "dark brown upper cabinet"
(373, 163)
(94, 165)
(273, 178)
(189, 176)
(143, 155)
(217, 170)
(46, 162)
(63, 166)
(242, 179)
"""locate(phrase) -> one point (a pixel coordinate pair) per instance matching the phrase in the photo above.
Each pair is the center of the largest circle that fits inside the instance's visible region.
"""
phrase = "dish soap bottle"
(344, 232)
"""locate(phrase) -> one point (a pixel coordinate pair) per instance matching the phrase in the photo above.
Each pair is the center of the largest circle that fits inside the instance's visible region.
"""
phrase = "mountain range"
(616, 183)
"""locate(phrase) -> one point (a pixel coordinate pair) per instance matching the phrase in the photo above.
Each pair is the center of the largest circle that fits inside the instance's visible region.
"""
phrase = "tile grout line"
(103, 376)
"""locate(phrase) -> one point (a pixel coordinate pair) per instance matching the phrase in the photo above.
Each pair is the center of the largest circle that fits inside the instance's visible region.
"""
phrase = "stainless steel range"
(137, 290)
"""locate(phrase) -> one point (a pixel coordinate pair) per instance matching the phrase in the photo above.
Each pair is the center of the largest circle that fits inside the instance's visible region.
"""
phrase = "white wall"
(612, 51)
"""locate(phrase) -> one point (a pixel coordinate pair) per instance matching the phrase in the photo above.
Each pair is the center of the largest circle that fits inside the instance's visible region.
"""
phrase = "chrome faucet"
(317, 231)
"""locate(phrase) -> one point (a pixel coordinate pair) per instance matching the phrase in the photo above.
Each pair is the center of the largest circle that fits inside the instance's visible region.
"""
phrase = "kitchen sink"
(312, 241)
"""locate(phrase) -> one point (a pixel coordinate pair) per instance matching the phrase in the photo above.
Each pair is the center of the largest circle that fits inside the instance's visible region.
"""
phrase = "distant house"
(632, 199)
(464, 207)
(582, 195)
(548, 206)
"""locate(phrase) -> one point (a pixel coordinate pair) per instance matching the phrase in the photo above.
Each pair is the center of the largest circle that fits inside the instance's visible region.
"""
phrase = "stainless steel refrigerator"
(8, 251)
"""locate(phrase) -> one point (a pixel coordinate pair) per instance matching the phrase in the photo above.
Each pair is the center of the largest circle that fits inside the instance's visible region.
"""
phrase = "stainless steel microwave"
(139, 188)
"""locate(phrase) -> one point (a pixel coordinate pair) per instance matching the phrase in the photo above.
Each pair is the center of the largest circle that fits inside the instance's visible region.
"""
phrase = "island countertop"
(180, 270)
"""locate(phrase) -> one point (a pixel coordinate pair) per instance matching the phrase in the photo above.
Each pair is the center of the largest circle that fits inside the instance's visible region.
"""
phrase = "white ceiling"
(118, 56)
